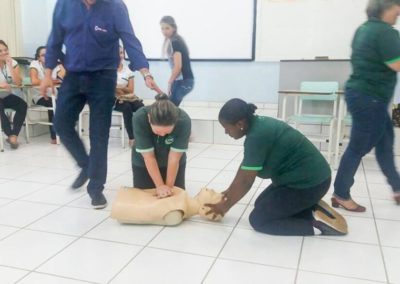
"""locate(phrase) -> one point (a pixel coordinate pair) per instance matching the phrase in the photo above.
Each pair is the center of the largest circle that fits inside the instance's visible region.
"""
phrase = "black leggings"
(142, 179)
(127, 109)
(48, 103)
(19, 106)
(287, 211)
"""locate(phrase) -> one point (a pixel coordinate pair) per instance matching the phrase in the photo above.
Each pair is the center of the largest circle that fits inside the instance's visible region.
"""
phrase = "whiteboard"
(304, 29)
(213, 29)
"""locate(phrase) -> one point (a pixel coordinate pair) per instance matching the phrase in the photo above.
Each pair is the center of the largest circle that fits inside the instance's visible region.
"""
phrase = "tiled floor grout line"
(66, 205)
(55, 275)
(226, 241)
(299, 261)
(63, 249)
(377, 230)
(136, 255)
(342, 276)
(234, 228)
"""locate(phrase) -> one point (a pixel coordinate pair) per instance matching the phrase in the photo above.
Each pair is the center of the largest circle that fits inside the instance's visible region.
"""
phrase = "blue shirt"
(91, 36)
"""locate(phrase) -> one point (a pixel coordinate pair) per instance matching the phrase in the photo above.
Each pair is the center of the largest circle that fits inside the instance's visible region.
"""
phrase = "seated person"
(10, 75)
(137, 206)
(36, 72)
(126, 100)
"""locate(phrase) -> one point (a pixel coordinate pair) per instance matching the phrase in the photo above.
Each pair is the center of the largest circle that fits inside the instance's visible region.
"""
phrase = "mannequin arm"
(173, 167)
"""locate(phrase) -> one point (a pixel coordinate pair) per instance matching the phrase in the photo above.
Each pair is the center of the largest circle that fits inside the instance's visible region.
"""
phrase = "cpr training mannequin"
(137, 206)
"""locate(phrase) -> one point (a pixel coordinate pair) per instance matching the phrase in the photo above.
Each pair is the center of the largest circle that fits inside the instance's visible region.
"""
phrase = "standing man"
(90, 30)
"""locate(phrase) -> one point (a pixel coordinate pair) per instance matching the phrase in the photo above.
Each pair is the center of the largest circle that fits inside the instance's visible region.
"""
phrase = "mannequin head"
(206, 196)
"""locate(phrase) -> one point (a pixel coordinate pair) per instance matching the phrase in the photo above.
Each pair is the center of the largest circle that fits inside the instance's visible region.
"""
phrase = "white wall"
(304, 29)
(36, 24)
(220, 81)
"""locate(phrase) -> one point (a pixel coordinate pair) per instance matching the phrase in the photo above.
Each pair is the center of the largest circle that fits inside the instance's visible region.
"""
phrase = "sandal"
(328, 221)
(13, 145)
(337, 202)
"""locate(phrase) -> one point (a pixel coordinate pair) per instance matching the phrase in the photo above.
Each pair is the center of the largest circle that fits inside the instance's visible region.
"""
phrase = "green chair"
(323, 93)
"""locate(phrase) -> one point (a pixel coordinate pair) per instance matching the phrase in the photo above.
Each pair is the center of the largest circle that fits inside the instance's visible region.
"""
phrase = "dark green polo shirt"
(375, 45)
(147, 141)
(281, 153)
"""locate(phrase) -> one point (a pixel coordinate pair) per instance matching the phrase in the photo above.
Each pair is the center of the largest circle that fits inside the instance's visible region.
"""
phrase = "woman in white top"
(126, 101)
(36, 71)
(10, 75)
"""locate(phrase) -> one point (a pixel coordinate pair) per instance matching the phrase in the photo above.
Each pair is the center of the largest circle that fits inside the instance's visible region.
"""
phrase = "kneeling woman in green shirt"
(300, 176)
(162, 133)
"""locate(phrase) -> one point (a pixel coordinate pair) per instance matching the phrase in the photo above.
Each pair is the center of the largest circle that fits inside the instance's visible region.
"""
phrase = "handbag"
(128, 98)
(396, 115)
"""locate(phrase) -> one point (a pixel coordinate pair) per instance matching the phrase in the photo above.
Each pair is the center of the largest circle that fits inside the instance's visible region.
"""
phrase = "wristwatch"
(147, 74)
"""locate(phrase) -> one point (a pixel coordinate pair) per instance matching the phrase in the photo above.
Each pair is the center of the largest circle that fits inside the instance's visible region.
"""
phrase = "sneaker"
(99, 201)
(80, 180)
(328, 221)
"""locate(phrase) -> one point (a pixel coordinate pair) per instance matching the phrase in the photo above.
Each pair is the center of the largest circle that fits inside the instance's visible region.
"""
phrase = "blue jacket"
(91, 37)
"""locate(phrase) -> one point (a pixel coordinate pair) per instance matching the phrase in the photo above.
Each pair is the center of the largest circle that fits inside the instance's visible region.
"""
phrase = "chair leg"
(80, 125)
(330, 142)
(27, 137)
(339, 139)
(1, 140)
(123, 133)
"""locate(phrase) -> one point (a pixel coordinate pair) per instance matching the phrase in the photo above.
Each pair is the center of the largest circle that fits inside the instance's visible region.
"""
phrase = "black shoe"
(99, 201)
(80, 180)
(328, 221)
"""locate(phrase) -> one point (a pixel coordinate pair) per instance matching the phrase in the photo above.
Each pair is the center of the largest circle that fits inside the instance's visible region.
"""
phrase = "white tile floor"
(49, 234)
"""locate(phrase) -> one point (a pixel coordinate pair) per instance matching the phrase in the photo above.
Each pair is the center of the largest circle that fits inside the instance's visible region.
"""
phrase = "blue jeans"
(180, 88)
(372, 128)
(98, 90)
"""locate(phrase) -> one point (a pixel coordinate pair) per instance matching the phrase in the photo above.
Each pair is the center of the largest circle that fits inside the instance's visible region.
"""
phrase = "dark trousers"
(19, 106)
(127, 109)
(285, 211)
(48, 103)
(180, 88)
(142, 179)
(371, 128)
(98, 90)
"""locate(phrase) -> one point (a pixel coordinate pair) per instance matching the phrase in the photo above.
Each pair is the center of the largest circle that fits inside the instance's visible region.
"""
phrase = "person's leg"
(5, 122)
(100, 92)
(20, 107)
(70, 102)
(180, 89)
(127, 113)
(385, 156)
(367, 124)
(48, 103)
(287, 211)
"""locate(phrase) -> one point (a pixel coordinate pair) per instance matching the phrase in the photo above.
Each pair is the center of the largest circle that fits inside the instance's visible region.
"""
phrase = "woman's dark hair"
(2, 42)
(38, 50)
(376, 8)
(163, 112)
(167, 47)
(236, 110)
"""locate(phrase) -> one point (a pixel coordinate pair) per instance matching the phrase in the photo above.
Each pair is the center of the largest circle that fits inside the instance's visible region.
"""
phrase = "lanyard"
(5, 74)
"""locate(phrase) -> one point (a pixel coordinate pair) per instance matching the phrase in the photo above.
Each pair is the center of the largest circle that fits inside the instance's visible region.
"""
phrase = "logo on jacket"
(169, 140)
(98, 29)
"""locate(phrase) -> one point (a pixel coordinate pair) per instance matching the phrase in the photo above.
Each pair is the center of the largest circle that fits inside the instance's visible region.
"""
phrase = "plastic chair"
(120, 126)
(302, 118)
